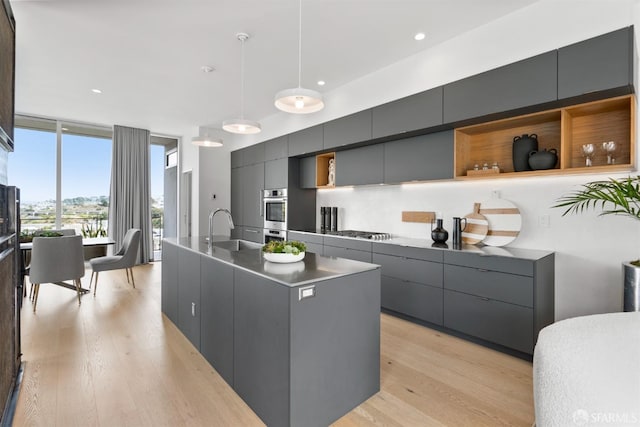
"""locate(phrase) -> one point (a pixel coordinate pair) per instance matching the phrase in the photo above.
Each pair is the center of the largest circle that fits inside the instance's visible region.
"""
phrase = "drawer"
(304, 237)
(413, 299)
(408, 251)
(413, 270)
(313, 247)
(253, 234)
(505, 264)
(347, 253)
(505, 287)
(340, 242)
(505, 324)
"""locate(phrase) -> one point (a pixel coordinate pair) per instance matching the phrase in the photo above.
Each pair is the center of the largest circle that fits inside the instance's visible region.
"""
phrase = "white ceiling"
(145, 55)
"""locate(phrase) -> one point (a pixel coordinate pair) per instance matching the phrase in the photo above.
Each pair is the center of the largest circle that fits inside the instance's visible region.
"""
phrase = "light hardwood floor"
(117, 361)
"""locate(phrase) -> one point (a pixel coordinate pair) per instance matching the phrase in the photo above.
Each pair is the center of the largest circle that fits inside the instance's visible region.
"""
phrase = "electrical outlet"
(544, 220)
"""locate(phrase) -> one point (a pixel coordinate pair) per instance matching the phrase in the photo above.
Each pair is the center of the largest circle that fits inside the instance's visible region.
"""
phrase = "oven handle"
(274, 199)
(260, 193)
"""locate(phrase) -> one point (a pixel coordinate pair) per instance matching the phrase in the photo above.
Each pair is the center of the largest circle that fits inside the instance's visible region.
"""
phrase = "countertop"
(481, 250)
(311, 269)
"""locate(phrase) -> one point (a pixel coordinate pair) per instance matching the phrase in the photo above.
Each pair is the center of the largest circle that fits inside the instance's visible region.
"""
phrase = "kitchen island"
(299, 343)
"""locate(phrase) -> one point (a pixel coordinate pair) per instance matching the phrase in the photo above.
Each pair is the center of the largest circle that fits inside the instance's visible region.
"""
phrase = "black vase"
(439, 234)
(522, 146)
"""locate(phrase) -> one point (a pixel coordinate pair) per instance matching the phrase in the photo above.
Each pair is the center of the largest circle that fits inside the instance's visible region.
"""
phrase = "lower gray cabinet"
(312, 241)
(216, 321)
(413, 299)
(189, 295)
(253, 234)
(507, 324)
(169, 291)
(348, 253)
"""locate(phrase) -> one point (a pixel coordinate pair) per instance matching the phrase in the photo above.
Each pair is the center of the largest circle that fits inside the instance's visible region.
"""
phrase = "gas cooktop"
(372, 235)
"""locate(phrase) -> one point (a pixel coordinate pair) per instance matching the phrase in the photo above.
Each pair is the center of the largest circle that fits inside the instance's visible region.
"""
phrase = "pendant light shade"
(242, 125)
(299, 100)
(206, 140)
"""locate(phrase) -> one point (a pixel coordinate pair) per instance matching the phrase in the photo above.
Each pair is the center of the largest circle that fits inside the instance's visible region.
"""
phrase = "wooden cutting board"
(477, 226)
(504, 221)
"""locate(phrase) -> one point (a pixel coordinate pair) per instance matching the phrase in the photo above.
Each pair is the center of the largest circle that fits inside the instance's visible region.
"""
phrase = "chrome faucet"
(212, 214)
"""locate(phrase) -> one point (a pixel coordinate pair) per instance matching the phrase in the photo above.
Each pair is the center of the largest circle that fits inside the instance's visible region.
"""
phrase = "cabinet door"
(521, 84)
(424, 157)
(216, 333)
(261, 346)
(253, 154)
(170, 281)
(413, 299)
(236, 196)
(505, 324)
(347, 253)
(252, 186)
(408, 269)
(360, 166)
(312, 241)
(276, 173)
(414, 112)
(189, 295)
(600, 63)
(348, 130)
(236, 159)
(306, 141)
(276, 148)
(308, 172)
(253, 234)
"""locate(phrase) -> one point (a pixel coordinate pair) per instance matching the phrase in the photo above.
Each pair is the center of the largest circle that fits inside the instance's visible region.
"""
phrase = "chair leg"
(127, 271)
(91, 279)
(78, 286)
(36, 289)
(31, 292)
(95, 288)
(133, 282)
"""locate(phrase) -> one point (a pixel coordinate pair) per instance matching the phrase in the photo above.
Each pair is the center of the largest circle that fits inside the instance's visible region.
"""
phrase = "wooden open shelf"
(565, 129)
(322, 170)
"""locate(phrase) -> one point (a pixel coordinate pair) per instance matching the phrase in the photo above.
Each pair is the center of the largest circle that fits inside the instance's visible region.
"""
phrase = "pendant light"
(241, 125)
(205, 140)
(299, 100)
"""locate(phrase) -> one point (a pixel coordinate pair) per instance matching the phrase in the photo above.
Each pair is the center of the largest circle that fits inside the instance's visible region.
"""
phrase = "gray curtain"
(129, 199)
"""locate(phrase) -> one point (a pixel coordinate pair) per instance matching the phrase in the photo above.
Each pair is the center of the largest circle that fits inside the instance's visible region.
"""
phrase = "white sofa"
(586, 371)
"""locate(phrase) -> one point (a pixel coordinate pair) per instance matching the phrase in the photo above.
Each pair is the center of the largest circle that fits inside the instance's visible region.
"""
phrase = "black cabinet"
(419, 111)
(276, 173)
(308, 172)
(189, 295)
(425, 157)
(236, 196)
(276, 148)
(306, 141)
(360, 166)
(348, 130)
(522, 84)
(216, 333)
(601, 63)
(252, 186)
(169, 291)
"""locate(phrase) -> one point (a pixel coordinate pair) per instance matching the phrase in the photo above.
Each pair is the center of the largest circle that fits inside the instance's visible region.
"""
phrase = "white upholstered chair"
(56, 259)
(124, 258)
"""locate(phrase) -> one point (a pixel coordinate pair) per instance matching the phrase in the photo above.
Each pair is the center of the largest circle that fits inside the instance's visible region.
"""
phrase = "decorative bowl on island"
(284, 252)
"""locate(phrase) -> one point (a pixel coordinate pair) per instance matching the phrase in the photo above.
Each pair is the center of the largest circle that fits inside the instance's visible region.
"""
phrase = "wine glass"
(587, 152)
(609, 148)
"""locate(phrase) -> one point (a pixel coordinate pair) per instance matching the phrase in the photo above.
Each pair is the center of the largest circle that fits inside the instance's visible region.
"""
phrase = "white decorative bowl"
(283, 258)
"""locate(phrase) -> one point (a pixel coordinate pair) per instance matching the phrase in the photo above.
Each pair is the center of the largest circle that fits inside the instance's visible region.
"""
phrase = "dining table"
(25, 249)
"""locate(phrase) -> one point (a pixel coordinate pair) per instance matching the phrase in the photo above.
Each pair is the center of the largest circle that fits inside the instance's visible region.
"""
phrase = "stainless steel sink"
(236, 245)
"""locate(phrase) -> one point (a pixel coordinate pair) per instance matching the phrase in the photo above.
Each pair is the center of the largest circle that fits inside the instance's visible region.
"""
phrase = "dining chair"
(124, 258)
(56, 259)
(27, 256)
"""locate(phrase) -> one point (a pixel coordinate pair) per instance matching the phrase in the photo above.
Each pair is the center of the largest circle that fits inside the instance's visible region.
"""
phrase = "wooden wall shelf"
(322, 170)
(564, 129)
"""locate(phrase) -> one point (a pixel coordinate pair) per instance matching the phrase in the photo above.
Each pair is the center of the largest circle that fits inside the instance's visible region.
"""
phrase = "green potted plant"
(612, 197)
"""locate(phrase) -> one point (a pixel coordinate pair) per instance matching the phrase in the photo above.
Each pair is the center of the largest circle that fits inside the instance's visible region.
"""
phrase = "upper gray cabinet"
(276, 148)
(307, 172)
(253, 154)
(306, 141)
(360, 166)
(276, 174)
(600, 63)
(522, 84)
(414, 112)
(348, 130)
(424, 157)
(236, 159)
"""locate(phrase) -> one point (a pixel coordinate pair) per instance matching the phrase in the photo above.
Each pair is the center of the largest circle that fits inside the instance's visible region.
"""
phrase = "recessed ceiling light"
(320, 82)
(207, 69)
(419, 36)
(96, 91)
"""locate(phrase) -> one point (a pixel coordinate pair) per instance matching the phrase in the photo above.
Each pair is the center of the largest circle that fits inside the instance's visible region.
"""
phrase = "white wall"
(589, 249)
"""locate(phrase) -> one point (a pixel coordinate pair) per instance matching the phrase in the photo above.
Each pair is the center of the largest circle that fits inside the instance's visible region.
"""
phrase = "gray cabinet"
(419, 111)
(413, 299)
(252, 185)
(359, 250)
(253, 154)
(236, 159)
(410, 269)
(189, 295)
(348, 130)
(169, 291)
(276, 148)
(425, 157)
(312, 241)
(216, 331)
(253, 234)
(306, 141)
(360, 166)
(601, 63)
(237, 196)
(276, 173)
(308, 172)
(522, 84)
